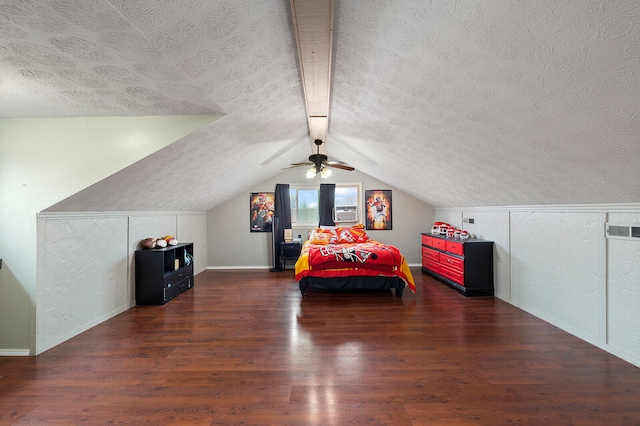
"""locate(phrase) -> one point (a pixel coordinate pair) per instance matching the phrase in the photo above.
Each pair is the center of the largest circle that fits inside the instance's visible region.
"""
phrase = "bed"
(345, 258)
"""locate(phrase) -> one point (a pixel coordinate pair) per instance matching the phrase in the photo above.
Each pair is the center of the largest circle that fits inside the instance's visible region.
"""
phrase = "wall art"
(262, 205)
(378, 205)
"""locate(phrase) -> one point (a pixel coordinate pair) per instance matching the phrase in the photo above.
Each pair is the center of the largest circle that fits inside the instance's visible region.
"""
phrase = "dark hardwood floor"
(243, 347)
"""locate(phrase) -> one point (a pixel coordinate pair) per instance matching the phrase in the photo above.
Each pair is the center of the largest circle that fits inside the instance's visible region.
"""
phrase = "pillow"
(331, 232)
(338, 235)
(360, 234)
(319, 238)
(354, 234)
(346, 236)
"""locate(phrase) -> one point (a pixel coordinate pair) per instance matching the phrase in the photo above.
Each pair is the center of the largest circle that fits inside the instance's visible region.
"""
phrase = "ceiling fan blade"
(294, 165)
(305, 163)
(334, 162)
(341, 166)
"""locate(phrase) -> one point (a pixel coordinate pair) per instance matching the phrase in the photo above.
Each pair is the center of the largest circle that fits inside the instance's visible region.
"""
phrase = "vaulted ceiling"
(456, 103)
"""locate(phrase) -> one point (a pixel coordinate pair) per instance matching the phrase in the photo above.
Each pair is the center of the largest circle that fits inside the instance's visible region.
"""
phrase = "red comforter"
(360, 259)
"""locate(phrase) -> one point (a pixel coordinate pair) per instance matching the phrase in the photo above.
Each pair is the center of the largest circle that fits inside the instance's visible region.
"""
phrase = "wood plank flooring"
(243, 347)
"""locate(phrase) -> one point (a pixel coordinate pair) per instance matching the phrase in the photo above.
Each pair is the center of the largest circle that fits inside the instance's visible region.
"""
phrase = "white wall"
(232, 245)
(86, 265)
(487, 222)
(43, 161)
(17, 278)
(623, 290)
(82, 275)
(555, 263)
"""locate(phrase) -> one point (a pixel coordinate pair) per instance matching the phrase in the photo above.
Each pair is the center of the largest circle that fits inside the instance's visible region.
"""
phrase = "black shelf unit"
(163, 273)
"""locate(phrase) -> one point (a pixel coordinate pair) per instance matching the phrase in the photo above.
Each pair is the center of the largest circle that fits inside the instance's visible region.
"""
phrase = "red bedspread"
(369, 255)
(354, 259)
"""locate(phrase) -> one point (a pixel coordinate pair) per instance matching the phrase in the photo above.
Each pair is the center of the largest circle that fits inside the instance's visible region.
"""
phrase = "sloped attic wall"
(484, 103)
(531, 102)
(45, 160)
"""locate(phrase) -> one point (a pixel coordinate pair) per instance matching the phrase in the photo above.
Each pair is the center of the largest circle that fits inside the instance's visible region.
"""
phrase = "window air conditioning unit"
(345, 214)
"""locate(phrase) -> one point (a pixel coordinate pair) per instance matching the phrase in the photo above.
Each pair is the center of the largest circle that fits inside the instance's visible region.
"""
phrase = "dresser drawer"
(177, 288)
(427, 240)
(439, 243)
(430, 254)
(454, 275)
(455, 247)
(177, 276)
(452, 262)
(431, 265)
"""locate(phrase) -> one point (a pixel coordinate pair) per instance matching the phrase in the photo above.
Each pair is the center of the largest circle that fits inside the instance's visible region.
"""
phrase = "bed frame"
(353, 283)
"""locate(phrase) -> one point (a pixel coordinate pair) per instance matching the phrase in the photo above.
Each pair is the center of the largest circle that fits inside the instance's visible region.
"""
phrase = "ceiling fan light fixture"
(320, 164)
(311, 173)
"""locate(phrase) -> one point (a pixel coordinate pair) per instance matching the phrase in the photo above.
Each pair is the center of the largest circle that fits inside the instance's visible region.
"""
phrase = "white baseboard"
(14, 352)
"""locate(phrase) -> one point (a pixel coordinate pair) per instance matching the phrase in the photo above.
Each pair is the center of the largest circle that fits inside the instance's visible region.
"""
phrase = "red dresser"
(465, 265)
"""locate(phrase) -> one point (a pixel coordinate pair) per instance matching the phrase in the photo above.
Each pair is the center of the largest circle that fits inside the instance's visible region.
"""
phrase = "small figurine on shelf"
(440, 228)
(151, 243)
(170, 240)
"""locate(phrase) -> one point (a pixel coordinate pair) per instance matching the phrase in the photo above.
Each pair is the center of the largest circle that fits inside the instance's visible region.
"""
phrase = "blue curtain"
(326, 203)
(281, 221)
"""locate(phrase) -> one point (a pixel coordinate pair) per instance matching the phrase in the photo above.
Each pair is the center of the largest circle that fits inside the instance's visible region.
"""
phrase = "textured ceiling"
(456, 103)
(491, 103)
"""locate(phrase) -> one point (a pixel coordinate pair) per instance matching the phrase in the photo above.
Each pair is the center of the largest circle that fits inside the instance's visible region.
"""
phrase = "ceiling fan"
(321, 163)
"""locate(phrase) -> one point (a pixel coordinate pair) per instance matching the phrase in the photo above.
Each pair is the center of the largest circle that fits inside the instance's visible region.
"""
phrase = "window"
(347, 195)
(304, 201)
(304, 205)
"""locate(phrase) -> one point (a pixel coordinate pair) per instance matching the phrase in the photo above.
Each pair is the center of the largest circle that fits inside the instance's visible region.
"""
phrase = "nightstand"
(289, 251)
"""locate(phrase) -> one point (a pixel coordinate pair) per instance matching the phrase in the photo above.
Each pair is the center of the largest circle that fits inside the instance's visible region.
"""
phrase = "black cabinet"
(465, 265)
(163, 273)
(289, 251)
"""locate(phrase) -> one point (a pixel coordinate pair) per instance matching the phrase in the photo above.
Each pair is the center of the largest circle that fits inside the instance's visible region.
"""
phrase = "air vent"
(627, 232)
(618, 231)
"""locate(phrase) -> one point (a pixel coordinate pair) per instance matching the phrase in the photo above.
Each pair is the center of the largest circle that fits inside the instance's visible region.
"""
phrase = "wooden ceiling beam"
(313, 26)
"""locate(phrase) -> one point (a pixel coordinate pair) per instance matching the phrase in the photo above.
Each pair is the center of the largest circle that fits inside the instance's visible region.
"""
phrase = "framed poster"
(261, 206)
(378, 205)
